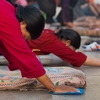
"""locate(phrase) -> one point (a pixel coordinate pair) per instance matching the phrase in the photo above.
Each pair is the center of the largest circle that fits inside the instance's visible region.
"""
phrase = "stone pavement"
(92, 91)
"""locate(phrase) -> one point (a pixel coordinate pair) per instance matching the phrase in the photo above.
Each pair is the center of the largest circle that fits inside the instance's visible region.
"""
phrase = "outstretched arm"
(92, 61)
(48, 84)
(49, 43)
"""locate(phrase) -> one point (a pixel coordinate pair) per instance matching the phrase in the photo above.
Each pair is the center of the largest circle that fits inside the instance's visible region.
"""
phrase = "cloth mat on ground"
(88, 32)
(88, 26)
(12, 80)
(44, 59)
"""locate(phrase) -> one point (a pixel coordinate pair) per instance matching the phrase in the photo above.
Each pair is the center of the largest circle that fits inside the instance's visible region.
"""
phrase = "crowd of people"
(70, 10)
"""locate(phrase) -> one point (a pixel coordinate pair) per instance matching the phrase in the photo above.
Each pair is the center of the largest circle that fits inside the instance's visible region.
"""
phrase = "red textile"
(14, 47)
(49, 43)
(57, 2)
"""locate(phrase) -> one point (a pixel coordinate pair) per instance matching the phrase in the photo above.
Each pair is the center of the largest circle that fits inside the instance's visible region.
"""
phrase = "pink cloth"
(21, 2)
(13, 45)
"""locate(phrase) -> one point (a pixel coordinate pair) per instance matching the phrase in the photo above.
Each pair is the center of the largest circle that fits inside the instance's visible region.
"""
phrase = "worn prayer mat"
(88, 26)
(12, 80)
(44, 59)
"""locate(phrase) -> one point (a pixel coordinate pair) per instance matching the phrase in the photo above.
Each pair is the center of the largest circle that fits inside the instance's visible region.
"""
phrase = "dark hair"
(12, 2)
(33, 18)
(69, 34)
(30, 1)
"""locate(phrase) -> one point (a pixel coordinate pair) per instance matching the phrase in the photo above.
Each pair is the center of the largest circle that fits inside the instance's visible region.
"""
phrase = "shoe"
(91, 47)
(89, 41)
(80, 91)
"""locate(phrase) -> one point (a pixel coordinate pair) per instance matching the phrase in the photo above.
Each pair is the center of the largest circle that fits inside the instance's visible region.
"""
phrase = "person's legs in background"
(48, 7)
(87, 11)
(66, 16)
(71, 9)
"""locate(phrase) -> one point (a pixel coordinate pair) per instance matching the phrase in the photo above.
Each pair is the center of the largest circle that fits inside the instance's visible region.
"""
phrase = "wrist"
(53, 88)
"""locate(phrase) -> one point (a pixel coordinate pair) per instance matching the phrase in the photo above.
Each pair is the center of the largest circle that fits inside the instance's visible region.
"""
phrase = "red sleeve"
(14, 47)
(49, 43)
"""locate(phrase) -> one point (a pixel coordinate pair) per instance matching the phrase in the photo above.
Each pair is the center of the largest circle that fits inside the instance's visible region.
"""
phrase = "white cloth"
(97, 1)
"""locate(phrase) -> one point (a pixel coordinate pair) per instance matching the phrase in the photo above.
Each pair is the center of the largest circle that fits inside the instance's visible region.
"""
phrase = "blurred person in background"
(94, 6)
(66, 16)
(49, 8)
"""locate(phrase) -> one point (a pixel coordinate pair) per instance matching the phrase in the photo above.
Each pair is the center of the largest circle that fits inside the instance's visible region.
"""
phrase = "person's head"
(31, 21)
(70, 37)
